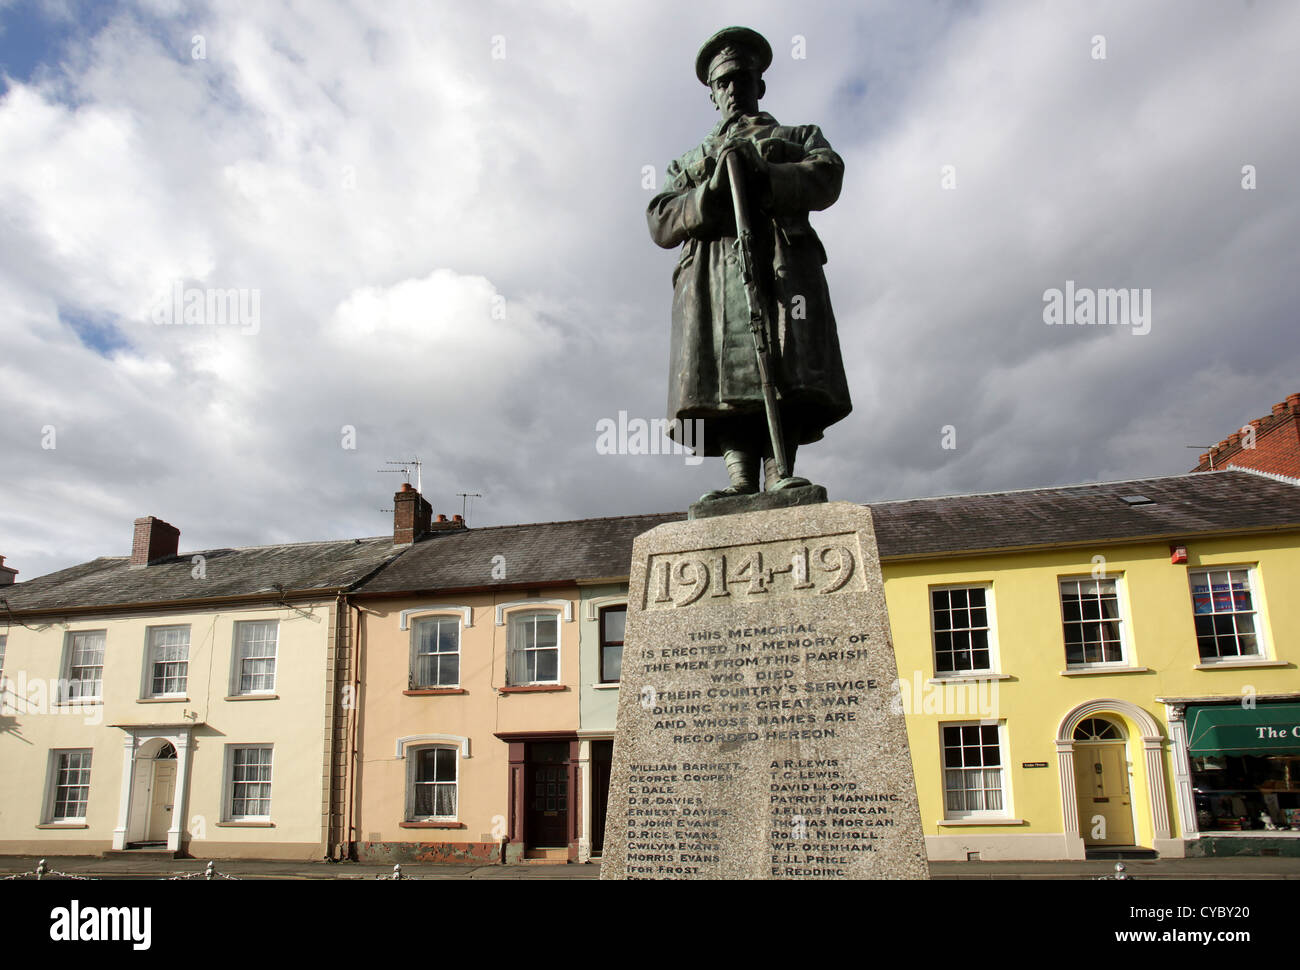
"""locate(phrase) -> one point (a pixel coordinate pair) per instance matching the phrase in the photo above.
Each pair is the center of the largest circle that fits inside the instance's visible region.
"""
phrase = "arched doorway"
(1082, 738)
(153, 793)
(1103, 786)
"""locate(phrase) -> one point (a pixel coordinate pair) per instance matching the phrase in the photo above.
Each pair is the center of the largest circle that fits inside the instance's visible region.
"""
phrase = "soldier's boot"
(772, 482)
(742, 466)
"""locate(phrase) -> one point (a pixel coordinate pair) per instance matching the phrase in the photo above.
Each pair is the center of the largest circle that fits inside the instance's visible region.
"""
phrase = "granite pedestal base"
(759, 736)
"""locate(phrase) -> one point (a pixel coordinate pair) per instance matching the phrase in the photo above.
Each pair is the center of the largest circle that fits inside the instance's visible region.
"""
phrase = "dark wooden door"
(546, 777)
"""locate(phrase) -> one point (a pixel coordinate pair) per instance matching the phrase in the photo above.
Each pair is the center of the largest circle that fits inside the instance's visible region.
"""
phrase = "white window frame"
(1257, 613)
(991, 617)
(237, 660)
(56, 762)
(412, 755)
(1121, 607)
(146, 687)
(229, 782)
(1004, 776)
(416, 624)
(514, 621)
(69, 654)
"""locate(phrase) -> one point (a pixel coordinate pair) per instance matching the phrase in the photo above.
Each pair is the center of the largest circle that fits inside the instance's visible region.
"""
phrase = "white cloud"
(379, 177)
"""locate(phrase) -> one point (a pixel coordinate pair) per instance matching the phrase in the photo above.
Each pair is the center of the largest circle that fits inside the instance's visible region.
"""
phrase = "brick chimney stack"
(444, 524)
(411, 515)
(154, 540)
(7, 573)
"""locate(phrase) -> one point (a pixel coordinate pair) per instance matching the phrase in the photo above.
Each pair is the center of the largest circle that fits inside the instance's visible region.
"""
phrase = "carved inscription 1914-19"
(755, 735)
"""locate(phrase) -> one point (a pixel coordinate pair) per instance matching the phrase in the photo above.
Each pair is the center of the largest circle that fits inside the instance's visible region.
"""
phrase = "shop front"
(1239, 793)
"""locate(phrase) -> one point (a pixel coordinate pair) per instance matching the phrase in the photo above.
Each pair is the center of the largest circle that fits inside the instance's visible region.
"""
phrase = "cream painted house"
(192, 704)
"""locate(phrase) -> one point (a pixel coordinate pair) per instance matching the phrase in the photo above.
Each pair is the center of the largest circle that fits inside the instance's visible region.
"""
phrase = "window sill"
(948, 822)
(162, 700)
(253, 697)
(434, 691)
(532, 689)
(967, 678)
(63, 825)
(246, 825)
(1095, 671)
(431, 825)
(613, 686)
(1240, 664)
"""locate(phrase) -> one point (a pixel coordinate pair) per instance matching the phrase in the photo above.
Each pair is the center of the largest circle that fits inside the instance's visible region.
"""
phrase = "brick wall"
(1276, 445)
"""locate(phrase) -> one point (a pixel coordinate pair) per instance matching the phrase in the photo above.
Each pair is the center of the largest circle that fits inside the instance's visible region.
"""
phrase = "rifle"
(744, 246)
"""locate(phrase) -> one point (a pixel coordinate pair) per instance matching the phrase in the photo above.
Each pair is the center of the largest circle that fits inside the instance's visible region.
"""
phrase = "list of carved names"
(737, 692)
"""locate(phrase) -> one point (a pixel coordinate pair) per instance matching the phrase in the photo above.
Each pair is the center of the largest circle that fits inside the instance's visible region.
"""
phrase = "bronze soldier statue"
(727, 322)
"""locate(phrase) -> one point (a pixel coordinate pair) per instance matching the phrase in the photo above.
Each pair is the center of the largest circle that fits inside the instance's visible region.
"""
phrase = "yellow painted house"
(1101, 667)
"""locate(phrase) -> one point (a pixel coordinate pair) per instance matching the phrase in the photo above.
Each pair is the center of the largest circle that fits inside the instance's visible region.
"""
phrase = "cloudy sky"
(439, 207)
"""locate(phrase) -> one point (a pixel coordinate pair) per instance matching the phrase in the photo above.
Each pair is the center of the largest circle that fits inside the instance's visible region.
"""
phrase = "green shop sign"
(1232, 729)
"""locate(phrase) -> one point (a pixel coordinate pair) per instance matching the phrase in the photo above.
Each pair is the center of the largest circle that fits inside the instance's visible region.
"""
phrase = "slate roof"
(251, 571)
(541, 552)
(1183, 506)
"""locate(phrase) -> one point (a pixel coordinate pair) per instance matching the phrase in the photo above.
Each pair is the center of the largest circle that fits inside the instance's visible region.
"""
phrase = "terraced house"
(1101, 667)
(181, 702)
(478, 651)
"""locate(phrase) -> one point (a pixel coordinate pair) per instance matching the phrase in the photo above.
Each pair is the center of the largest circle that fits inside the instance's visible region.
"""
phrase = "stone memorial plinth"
(756, 736)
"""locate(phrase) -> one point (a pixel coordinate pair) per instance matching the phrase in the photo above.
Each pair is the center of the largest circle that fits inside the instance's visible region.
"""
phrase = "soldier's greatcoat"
(714, 373)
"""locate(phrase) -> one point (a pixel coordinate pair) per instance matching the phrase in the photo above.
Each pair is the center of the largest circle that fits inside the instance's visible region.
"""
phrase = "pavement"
(160, 866)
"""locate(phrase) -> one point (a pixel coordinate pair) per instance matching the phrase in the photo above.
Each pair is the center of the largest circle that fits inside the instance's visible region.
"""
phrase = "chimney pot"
(458, 518)
(441, 517)
(1293, 402)
(153, 540)
(1234, 439)
(1279, 408)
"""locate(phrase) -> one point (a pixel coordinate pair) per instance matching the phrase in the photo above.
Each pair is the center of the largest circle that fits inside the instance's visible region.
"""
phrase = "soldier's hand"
(749, 156)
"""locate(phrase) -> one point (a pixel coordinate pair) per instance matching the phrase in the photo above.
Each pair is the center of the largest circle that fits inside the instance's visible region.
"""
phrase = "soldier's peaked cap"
(732, 49)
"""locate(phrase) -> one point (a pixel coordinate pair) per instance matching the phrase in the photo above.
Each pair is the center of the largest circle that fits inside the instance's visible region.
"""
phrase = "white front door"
(161, 800)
